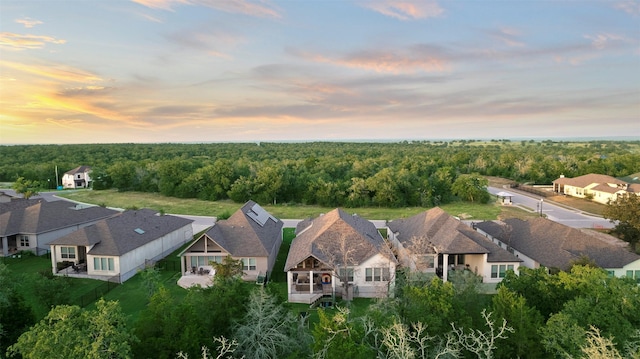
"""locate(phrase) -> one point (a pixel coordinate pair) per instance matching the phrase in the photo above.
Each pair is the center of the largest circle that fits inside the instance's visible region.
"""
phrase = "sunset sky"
(298, 70)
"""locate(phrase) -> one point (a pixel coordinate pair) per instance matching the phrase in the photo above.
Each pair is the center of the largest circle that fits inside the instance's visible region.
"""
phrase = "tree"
(268, 330)
(340, 336)
(69, 332)
(525, 321)
(15, 315)
(625, 211)
(229, 268)
(432, 305)
(25, 187)
(471, 187)
(482, 344)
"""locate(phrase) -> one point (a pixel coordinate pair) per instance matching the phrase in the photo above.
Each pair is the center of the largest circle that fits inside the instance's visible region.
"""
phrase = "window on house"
(499, 271)
(249, 264)
(376, 274)
(426, 261)
(634, 274)
(346, 272)
(24, 241)
(103, 264)
(460, 259)
(68, 252)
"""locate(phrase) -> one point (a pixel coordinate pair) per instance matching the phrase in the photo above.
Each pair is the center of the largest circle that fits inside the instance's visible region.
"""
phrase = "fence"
(534, 190)
(99, 291)
(168, 265)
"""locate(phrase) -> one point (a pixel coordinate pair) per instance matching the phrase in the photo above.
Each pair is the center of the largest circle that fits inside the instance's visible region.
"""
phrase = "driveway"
(568, 216)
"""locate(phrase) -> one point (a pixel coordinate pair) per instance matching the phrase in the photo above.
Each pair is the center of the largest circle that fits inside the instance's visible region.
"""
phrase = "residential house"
(540, 242)
(599, 188)
(435, 242)
(120, 246)
(337, 246)
(77, 178)
(251, 235)
(31, 224)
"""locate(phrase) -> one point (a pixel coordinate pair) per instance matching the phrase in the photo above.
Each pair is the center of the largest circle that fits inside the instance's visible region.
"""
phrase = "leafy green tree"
(51, 290)
(269, 330)
(25, 187)
(625, 211)
(15, 315)
(228, 268)
(525, 340)
(562, 337)
(471, 187)
(432, 305)
(69, 332)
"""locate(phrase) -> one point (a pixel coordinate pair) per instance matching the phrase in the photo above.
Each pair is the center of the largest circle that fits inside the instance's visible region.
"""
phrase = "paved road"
(569, 217)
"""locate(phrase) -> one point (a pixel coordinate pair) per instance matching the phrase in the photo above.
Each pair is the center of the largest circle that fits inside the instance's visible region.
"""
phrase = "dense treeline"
(325, 173)
(579, 314)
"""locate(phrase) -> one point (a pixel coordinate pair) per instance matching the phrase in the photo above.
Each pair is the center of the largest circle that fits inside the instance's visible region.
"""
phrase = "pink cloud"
(405, 10)
(19, 41)
(246, 7)
(28, 22)
(631, 7)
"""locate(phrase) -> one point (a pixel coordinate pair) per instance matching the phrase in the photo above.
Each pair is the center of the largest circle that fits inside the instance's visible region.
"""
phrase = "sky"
(155, 71)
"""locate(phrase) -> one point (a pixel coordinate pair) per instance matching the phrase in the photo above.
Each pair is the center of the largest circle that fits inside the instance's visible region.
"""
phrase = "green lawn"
(113, 198)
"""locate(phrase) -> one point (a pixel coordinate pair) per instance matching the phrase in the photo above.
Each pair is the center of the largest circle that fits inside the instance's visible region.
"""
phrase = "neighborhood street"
(569, 217)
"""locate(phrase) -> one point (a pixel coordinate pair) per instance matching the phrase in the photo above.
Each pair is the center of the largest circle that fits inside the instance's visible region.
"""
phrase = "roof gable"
(249, 232)
(555, 245)
(441, 230)
(117, 235)
(39, 216)
(337, 238)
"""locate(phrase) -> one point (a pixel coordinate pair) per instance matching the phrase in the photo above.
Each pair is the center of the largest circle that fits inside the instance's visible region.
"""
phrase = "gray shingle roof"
(79, 169)
(322, 237)
(117, 235)
(555, 245)
(448, 235)
(39, 216)
(249, 232)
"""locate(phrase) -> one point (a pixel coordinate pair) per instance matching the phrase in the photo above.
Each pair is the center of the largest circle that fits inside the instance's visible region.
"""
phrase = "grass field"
(113, 198)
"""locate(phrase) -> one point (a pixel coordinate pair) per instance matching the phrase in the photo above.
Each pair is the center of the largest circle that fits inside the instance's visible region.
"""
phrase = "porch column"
(182, 260)
(54, 255)
(311, 282)
(289, 282)
(5, 246)
(445, 267)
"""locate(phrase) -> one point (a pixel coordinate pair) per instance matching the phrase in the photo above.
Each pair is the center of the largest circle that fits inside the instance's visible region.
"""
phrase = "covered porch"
(8, 246)
(308, 286)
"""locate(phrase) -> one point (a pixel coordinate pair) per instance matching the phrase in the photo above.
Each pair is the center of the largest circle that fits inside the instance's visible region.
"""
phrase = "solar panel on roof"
(139, 231)
(259, 215)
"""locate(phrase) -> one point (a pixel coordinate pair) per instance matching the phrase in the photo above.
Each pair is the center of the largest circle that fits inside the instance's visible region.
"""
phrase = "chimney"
(561, 176)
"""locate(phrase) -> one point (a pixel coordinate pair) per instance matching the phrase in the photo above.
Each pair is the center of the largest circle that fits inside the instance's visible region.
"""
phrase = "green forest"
(331, 174)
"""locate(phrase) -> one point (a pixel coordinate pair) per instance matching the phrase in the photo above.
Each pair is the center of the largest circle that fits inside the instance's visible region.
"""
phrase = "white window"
(68, 252)
(634, 274)
(199, 261)
(249, 264)
(376, 274)
(24, 241)
(103, 264)
(426, 261)
(346, 272)
(499, 271)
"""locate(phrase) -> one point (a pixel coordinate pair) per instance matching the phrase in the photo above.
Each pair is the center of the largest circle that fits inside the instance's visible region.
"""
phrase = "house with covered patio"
(338, 253)
(120, 246)
(435, 243)
(251, 235)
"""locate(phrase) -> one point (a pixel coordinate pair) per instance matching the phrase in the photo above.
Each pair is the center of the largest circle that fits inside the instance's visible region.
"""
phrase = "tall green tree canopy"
(70, 332)
(625, 211)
